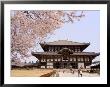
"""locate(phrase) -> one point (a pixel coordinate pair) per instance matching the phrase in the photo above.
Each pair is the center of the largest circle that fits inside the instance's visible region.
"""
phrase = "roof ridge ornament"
(65, 51)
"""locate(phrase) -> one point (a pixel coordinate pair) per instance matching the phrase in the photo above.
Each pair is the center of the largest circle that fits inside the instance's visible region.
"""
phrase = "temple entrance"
(57, 65)
(80, 65)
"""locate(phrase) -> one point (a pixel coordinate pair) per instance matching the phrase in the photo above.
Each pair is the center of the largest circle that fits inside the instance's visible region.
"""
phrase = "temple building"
(64, 54)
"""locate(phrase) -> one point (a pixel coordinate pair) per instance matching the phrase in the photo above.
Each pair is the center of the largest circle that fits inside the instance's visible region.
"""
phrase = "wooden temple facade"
(64, 54)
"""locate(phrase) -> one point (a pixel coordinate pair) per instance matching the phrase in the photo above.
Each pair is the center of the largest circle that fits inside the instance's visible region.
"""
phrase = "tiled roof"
(64, 42)
(95, 63)
(74, 53)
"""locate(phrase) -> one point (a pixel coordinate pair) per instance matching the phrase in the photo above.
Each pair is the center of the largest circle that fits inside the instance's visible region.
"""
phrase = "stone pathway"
(75, 74)
(66, 74)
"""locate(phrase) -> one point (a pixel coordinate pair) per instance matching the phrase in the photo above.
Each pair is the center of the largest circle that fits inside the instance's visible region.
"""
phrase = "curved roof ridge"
(65, 42)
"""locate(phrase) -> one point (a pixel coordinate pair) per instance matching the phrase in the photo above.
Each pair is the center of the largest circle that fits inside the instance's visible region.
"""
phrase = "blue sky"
(86, 30)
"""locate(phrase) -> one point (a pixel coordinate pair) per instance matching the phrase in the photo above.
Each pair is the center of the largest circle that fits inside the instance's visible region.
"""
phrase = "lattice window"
(70, 59)
(58, 48)
(82, 59)
(55, 49)
(78, 59)
(87, 59)
(78, 49)
(74, 59)
(48, 59)
(75, 49)
(59, 59)
(55, 59)
(51, 59)
(49, 64)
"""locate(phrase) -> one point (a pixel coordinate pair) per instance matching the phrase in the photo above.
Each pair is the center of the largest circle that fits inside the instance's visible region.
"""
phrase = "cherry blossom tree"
(27, 26)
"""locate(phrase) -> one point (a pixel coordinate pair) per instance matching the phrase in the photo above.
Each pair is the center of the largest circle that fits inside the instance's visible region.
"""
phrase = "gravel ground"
(67, 73)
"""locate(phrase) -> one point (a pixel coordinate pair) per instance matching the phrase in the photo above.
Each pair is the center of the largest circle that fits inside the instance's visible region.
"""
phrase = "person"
(80, 72)
(72, 71)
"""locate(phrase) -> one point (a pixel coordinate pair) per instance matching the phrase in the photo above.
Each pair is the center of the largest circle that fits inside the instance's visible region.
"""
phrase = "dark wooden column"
(76, 61)
(84, 61)
(61, 62)
(46, 61)
(91, 58)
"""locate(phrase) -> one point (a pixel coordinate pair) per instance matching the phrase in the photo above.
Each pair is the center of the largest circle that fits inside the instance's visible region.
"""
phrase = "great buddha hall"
(64, 54)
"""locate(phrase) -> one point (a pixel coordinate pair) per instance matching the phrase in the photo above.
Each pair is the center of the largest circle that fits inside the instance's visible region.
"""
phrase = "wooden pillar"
(53, 60)
(83, 61)
(77, 61)
(91, 57)
(46, 61)
(61, 60)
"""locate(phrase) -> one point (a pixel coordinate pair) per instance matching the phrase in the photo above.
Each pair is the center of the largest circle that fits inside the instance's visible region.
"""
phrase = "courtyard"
(30, 72)
(68, 73)
(50, 73)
